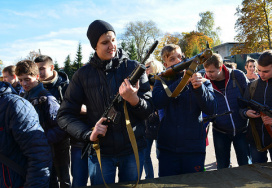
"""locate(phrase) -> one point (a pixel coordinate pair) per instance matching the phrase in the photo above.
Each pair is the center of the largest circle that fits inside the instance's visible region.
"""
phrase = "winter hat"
(96, 29)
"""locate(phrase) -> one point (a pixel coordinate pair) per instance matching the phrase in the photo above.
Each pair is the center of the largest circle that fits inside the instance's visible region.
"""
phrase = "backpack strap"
(235, 82)
(14, 166)
(252, 88)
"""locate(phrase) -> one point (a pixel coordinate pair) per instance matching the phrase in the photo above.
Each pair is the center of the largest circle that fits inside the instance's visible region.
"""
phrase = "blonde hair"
(155, 65)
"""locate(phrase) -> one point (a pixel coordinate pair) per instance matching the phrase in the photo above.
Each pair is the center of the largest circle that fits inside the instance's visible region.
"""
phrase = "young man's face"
(106, 46)
(174, 58)
(9, 78)
(45, 70)
(28, 82)
(213, 73)
(265, 72)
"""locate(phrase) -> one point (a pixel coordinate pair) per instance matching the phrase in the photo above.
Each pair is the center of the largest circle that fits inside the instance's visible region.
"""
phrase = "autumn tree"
(253, 27)
(168, 38)
(206, 26)
(194, 42)
(144, 33)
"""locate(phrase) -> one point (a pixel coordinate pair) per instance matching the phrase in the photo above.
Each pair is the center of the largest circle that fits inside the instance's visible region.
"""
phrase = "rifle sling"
(13, 165)
(133, 142)
(257, 138)
(189, 72)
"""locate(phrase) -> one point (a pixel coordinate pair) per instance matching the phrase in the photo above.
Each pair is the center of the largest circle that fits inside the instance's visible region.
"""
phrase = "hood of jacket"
(109, 65)
(6, 88)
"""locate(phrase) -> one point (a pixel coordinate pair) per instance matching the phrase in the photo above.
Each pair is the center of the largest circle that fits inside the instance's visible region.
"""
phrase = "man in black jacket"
(262, 123)
(95, 85)
(56, 83)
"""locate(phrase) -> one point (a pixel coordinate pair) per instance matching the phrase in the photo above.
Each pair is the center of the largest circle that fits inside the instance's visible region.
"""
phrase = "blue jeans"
(126, 166)
(222, 146)
(171, 163)
(79, 168)
(257, 156)
(148, 167)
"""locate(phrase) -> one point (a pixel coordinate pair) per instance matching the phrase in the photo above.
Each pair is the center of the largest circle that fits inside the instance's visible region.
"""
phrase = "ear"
(52, 67)
(220, 68)
(165, 65)
(37, 77)
(14, 76)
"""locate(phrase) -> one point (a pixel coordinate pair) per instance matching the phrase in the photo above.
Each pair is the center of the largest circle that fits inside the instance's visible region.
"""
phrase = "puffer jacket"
(47, 112)
(95, 85)
(263, 95)
(22, 140)
(233, 123)
(182, 129)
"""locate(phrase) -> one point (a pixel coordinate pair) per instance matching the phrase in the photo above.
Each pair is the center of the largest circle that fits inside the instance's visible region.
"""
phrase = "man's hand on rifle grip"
(252, 114)
(196, 80)
(129, 92)
(99, 129)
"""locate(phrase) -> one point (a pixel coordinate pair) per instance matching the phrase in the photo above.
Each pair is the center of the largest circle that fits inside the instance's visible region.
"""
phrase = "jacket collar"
(227, 76)
(34, 92)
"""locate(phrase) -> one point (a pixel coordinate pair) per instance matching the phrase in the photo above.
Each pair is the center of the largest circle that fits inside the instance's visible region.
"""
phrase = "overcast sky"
(57, 26)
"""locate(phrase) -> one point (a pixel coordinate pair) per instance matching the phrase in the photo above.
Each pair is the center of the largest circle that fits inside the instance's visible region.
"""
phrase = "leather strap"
(133, 142)
(189, 72)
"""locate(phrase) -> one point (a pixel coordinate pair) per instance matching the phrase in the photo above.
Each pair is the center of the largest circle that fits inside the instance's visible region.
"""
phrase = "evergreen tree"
(56, 66)
(78, 59)
(68, 67)
(132, 51)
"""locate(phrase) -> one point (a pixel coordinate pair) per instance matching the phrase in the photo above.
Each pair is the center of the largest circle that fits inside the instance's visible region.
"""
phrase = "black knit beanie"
(96, 29)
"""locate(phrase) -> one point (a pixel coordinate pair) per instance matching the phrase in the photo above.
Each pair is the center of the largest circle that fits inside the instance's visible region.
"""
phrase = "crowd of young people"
(54, 119)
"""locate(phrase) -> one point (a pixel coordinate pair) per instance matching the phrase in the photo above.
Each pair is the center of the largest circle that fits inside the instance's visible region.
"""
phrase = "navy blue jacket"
(95, 85)
(22, 140)
(233, 123)
(181, 128)
(47, 112)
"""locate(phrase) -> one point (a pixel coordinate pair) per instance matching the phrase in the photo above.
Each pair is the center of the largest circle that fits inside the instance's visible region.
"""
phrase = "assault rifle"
(259, 108)
(112, 115)
(212, 117)
(172, 71)
(254, 105)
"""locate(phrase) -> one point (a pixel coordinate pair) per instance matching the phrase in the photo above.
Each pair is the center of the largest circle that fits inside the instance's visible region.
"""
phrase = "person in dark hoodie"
(23, 142)
(46, 106)
(95, 85)
(56, 83)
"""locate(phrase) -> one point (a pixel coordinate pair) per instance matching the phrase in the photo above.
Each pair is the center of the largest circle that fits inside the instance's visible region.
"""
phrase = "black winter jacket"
(95, 85)
(263, 95)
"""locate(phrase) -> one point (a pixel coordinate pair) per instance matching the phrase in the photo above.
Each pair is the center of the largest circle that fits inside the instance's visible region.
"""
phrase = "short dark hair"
(44, 58)
(26, 67)
(265, 59)
(10, 69)
(215, 60)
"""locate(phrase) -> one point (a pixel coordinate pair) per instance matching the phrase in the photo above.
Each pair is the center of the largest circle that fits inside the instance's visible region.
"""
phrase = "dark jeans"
(79, 168)
(257, 156)
(171, 163)
(222, 146)
(126, 166)
(148, 167)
